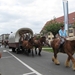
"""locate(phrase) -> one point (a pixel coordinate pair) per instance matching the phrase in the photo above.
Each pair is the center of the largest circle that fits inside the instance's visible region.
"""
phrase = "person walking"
(0, 57)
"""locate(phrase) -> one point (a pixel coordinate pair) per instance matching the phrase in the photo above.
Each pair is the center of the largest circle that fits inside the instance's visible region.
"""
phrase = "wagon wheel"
(17, 50)
(13, 49)
(27, 52)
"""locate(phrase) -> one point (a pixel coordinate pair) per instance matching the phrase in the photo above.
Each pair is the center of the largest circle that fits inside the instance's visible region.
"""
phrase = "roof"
(71, 19)
(24, 30)
(14, 37)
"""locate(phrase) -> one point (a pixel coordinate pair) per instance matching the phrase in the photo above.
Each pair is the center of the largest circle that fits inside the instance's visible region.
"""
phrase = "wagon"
(14, 38)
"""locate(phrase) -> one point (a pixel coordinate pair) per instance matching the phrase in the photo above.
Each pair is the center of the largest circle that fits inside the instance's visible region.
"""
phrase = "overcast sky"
(15, 14)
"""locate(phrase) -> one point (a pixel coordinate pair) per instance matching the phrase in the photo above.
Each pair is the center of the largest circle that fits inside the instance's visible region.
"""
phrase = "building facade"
(4, 37)
(71, 24)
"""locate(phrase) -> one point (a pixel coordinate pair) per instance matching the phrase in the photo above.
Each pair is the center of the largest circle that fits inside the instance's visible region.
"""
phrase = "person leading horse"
(21, 41)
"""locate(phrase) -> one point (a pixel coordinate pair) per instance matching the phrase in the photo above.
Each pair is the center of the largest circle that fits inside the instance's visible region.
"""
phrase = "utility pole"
(66, 19)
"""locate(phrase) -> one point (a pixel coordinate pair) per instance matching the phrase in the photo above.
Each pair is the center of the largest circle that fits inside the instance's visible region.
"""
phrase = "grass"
(48, 49)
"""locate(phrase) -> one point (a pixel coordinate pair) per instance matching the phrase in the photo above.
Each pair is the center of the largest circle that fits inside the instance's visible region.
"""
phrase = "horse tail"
(51, 43)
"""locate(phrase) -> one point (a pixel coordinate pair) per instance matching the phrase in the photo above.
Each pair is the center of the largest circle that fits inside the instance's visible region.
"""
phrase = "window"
(49, 38)
(70, 25)
(70, 31)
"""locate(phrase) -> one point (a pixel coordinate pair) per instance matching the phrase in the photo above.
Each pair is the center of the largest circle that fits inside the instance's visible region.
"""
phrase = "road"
(21, 64)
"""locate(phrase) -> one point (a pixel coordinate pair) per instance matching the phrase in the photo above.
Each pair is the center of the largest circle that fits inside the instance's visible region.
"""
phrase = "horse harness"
(61, 47)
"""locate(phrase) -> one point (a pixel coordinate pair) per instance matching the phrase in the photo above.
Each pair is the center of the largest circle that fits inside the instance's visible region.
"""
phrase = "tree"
(53, 27)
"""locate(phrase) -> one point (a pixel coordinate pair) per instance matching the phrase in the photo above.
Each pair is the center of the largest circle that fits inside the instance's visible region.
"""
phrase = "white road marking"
(4, 50)
(7, 50)
(10, 49)
(28, 73)
(6, 57)
(25, 64)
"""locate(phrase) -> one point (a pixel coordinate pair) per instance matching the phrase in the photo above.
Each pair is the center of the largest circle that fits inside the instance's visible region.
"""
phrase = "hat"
(62, 25)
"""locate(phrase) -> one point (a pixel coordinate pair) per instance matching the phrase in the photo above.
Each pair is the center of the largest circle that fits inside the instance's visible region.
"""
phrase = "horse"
(2, 42)
(5, 43)
(27, 46)
(68, 48)
(0, 54)
(39, 43)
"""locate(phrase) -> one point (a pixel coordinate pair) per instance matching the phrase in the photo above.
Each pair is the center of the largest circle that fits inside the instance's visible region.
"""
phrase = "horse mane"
(73, 42)
(30, 40)
(55, 43)
(42, 39)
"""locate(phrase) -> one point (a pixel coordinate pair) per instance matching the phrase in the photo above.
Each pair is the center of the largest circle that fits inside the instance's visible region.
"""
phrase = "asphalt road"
(21, 64)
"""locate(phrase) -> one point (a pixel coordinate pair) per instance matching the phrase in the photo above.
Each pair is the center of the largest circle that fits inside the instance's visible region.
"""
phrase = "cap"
(62, 25)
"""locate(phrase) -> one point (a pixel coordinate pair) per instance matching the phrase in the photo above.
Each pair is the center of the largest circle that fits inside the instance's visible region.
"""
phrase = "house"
(4, 37)
(71, 22)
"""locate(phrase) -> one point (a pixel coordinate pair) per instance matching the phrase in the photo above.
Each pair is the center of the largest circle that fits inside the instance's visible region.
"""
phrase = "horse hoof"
(52, 59)
(67, 65)
(57, 63)
(32, 54)
(74, 69)
(36, 53)
(27, 54)
(39, 54)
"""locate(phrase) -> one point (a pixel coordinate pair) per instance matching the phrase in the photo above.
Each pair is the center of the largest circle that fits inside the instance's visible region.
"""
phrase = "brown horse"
(39, 44)
(28, 45)
(0, 54)
(5, 43)
(68, 47)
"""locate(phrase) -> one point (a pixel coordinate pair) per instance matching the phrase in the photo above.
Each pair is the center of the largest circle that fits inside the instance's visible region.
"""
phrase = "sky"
(33, 14)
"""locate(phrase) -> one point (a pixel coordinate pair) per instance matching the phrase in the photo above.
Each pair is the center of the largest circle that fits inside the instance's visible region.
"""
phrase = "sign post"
(65, 9)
